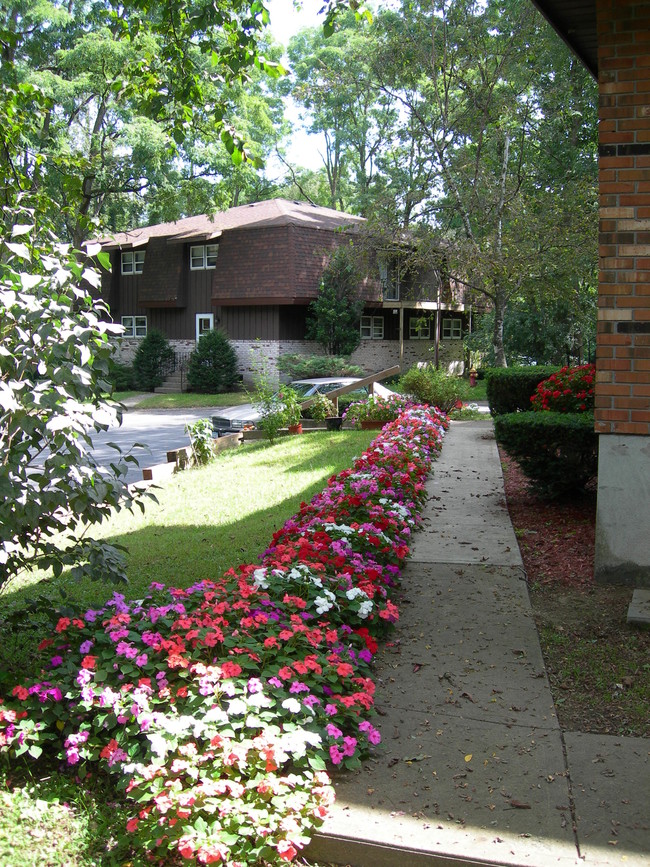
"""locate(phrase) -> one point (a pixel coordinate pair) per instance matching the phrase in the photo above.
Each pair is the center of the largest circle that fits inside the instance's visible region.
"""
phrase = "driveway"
(157, 430)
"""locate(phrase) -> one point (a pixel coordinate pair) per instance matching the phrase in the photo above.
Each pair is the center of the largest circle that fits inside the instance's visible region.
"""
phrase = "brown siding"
(274, 264)
(176, 323)
(251, 322)
(163, 281)
(293, 322)
(623, 351)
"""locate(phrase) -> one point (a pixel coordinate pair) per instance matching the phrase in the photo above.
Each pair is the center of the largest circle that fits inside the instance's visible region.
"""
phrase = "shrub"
(54, 366)
(569, 390)
(430, 385)
(316, 366)
(557, 451)
(153, 356)
(509, 389)
(121, 376)
(213, 364)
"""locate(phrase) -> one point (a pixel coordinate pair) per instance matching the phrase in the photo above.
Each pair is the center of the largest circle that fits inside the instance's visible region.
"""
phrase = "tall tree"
(487, 141)
(331, 81)
(134, 91)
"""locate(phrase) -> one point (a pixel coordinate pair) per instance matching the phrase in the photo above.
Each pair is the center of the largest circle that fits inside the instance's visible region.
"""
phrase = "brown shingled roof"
(274, 212)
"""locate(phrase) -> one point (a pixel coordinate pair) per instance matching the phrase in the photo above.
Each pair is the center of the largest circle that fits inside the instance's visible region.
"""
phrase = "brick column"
(623, 346)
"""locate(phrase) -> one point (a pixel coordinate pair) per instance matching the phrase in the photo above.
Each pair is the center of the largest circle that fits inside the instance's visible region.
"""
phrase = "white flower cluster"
(325, 602)
(365, 607)
(339, 528)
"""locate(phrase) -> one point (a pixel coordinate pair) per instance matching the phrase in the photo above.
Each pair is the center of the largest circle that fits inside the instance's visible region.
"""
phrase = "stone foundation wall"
(375, 355)
(371, 355)
(249, 351)
(128, 346)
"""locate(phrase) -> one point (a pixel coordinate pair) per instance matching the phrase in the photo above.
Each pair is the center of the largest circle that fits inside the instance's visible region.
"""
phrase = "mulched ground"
(598, 665)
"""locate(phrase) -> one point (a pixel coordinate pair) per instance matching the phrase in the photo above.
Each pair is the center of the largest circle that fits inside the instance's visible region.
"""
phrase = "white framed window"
(203, 257)
(134, 326)
(372, 327)
(452, 329)
(419, 328)
(132, 261)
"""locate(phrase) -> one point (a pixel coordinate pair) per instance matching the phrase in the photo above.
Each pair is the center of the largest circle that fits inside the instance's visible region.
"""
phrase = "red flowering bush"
(218, 707)
(569, 390)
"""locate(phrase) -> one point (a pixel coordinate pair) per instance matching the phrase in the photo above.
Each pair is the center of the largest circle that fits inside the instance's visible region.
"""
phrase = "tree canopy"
(478, 127)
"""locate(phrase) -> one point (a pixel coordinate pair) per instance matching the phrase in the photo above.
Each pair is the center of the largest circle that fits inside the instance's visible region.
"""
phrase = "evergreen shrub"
(153, 357)
(213, 364)
(557, 451)
(121, 376)
(509, 389)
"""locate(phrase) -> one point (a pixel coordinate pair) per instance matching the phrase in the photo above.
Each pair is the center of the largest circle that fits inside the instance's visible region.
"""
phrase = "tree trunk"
(500, 303)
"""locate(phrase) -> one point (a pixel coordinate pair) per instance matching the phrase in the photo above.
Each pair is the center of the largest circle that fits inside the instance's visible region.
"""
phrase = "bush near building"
(213, 364)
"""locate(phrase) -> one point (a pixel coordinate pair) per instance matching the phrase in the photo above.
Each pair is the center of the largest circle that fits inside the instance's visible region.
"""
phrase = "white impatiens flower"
(237, 707)
(365, 608)
(339, 528)
(292, 705)
(259, 579)
(325, 602)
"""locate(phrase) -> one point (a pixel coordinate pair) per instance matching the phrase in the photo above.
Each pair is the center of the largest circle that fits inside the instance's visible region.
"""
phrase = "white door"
(204, 323)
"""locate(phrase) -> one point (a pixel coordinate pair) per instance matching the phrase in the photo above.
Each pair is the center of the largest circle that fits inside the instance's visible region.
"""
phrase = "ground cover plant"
(217, 706)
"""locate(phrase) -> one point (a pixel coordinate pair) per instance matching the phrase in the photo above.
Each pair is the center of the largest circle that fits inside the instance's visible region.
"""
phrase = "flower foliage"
(218, 707)
(571, 389)
(377, 408)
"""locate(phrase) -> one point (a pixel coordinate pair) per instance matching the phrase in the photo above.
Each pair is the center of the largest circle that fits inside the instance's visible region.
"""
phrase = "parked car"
(237, 418)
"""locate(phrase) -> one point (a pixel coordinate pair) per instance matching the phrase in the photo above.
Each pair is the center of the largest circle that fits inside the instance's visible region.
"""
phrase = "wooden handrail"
(360, 383)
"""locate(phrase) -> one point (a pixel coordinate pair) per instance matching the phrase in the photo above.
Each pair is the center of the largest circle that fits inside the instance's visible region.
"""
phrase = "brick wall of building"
(623, 353)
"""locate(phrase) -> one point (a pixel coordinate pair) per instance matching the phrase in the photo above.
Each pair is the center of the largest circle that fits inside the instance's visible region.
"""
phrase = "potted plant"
(376, 411)
(322, 409)
(292, 410)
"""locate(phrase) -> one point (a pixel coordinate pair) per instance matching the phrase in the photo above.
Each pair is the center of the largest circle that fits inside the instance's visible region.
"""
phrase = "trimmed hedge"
(558, 451)
(509, 389)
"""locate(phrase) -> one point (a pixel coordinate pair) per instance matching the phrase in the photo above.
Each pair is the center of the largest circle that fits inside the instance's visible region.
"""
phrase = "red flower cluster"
(569, 390)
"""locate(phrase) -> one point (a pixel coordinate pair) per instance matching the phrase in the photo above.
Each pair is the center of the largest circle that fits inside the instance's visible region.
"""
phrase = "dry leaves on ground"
(598, 665)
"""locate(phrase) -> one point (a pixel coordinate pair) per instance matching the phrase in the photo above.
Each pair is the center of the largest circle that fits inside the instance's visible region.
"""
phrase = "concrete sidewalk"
(473, 767)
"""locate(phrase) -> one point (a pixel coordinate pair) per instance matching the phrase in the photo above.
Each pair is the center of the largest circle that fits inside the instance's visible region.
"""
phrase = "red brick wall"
(623, 349)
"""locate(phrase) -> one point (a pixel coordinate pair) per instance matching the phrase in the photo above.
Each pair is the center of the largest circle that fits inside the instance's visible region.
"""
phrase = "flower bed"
(218, 707)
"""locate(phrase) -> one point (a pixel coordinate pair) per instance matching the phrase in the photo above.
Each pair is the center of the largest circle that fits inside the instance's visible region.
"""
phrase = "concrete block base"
(622, 554)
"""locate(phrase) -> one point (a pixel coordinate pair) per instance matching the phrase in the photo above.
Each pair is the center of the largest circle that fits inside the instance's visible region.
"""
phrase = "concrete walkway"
(473, 767)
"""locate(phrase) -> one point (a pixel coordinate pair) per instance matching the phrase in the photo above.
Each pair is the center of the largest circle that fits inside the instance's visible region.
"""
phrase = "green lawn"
(206, 521)
(186, 400)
